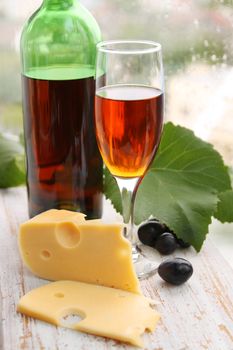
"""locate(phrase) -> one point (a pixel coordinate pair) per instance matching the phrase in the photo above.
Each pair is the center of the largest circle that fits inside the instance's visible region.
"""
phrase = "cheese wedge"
(57, 215)
(59, 246)
(108, 312)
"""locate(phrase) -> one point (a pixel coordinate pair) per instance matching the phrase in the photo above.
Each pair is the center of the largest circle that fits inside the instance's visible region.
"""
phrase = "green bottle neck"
(58, 4)
(59, 42)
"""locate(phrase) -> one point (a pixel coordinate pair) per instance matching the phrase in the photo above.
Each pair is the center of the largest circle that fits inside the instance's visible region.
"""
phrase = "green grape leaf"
(12, 170)
(230, 169)
(224, 211)
(112, 191)
(182, 185)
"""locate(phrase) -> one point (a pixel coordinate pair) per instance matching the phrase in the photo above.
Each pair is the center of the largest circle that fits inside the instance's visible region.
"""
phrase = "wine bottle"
(64, 167)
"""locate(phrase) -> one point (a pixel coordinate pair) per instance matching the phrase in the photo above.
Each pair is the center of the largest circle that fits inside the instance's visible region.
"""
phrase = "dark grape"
(164, 227)
(149, 232)
(182, 243)
(175, 271)
(153, 219)
(166, 243)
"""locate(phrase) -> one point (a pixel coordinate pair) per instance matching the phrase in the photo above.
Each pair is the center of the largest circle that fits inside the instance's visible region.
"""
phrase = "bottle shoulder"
(46, 22)
(51, 39)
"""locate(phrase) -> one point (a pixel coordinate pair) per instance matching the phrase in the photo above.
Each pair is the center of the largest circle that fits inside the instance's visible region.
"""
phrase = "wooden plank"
(195, 316)
(1, 327)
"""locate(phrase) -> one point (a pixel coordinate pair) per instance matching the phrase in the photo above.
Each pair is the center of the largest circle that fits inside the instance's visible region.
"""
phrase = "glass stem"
(128, 189)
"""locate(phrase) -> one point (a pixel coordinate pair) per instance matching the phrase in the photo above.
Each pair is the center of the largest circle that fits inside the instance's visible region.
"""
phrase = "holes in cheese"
(67, 234)
(59, 295)
(86, 251)
(45, 254)
(104, 311)
(70, 318)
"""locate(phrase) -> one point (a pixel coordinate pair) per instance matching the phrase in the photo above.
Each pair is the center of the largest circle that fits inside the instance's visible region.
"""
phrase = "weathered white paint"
(195, 316)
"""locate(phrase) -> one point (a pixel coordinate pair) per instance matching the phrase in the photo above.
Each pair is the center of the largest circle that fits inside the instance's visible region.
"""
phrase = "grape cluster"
(157, 235)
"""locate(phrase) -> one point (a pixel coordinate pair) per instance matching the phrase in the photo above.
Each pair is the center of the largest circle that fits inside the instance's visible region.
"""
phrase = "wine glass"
(128, 119)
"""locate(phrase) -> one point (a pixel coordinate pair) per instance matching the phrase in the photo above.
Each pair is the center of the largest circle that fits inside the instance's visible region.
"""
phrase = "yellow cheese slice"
(86, 251)
(108, 312)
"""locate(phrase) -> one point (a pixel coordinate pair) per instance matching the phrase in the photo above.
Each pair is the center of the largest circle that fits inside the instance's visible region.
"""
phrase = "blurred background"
(197, 39)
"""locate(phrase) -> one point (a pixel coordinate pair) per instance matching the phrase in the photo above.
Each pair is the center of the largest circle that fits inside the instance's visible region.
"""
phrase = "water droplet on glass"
(213, 58)
(194, 58)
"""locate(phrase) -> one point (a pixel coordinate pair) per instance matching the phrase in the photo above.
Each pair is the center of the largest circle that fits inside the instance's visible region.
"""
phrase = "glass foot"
(144, 267)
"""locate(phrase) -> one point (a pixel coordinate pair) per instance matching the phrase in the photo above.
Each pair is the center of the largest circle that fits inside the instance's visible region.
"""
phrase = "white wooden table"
(197, 315)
